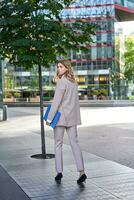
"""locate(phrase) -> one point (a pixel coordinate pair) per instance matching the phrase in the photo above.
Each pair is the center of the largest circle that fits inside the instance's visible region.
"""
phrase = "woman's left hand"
(47, 123)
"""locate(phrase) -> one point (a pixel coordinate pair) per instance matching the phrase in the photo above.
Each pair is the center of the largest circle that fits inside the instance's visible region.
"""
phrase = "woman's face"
(61, 69)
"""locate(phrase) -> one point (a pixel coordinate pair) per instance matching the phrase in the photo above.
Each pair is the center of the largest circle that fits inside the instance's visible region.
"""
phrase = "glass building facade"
(101, 69)
(98, 71)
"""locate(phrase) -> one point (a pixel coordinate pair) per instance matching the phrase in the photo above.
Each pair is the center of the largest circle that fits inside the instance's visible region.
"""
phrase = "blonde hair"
(69, 74)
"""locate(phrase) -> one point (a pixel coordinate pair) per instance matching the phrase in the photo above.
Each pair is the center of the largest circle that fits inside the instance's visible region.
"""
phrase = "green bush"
(7, 95)
(17, 95)
(131, 97)
(47, 98)
(99, 91)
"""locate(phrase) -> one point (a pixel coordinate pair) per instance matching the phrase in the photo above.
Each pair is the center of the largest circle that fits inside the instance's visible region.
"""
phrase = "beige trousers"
(58, 137)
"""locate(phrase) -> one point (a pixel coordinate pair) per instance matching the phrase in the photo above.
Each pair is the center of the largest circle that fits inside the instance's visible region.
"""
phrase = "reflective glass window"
(94, 53)
(109, 52)
(99, 52)
(104, 37)
(92, 2)
(100, 11)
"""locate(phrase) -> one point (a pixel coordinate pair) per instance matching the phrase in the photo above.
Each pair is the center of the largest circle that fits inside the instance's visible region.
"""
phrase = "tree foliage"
(129, 58)
(32, 31)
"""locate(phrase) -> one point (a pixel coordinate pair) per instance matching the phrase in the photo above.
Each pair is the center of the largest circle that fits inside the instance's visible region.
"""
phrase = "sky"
(128, 27)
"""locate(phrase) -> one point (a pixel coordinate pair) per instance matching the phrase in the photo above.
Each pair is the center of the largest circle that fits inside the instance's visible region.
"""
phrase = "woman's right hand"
(55, 79)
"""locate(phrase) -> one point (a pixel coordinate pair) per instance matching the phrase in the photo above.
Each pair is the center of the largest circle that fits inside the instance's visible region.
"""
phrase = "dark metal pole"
(41, 112)
(43, 155)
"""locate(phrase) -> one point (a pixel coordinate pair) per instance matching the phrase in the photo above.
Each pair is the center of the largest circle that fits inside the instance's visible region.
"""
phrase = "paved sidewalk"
(27, 178)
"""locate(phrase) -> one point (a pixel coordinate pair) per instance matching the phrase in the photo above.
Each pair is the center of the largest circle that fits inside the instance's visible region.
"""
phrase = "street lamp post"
(2, 107)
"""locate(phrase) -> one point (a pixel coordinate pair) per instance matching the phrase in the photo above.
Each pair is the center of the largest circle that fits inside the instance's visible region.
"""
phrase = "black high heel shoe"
(82, 179)
(58, 177)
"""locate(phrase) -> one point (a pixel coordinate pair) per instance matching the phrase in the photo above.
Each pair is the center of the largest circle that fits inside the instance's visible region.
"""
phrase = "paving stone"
(9, 189)
(73, 191)
(120, 185)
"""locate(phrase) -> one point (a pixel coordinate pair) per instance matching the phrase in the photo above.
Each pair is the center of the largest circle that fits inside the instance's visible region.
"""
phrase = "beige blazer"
(67, 102)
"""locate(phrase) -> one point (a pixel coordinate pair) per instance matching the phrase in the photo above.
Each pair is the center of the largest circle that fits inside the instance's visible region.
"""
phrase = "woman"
(66, 101)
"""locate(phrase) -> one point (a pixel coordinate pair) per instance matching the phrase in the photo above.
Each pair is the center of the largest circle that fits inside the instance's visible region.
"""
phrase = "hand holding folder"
(56, 116)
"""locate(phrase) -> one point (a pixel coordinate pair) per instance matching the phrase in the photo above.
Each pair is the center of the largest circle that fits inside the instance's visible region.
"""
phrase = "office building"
(98, 71)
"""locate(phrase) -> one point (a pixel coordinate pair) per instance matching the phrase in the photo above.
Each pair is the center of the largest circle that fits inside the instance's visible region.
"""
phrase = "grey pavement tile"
(120, 185)
(38, 176)
(9, 189)
(103, 168)
(68, 155)
(21, 142)
(127, 126)
(70, 191)
(39, 182)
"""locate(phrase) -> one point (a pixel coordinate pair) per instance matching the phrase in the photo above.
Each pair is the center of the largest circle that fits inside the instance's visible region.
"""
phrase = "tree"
(129, 58)
(33, 33)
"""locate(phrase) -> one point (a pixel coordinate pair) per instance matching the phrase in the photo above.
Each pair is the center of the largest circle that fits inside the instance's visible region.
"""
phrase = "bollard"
(1, 114)
(4, 112)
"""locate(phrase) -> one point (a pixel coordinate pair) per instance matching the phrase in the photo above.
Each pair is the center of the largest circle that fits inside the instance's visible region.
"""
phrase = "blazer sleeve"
(58, 96)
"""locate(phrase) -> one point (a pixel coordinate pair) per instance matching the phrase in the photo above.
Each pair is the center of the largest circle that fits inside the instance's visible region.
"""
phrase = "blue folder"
(56, 116)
